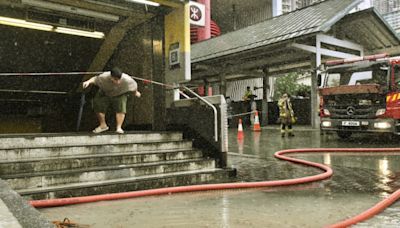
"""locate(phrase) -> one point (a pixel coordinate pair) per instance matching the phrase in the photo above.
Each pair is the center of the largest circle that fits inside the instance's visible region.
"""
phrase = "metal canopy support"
(222, 85)
(315, 121)
(264, 114)
(314, 92)
(323, 51)
(318, 50)
(321, 38)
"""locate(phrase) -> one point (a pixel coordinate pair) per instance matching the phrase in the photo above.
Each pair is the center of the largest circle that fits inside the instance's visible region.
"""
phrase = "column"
(264, 111)
(222, 85)
(204, 33)
(314, 94)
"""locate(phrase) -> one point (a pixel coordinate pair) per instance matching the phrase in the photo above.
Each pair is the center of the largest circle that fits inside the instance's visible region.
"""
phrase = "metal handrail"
(82, 104)
(212, 106)
(32, 91)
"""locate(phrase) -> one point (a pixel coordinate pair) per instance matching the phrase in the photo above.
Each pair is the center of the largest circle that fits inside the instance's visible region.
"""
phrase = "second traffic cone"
(256, 126)
(240, 134)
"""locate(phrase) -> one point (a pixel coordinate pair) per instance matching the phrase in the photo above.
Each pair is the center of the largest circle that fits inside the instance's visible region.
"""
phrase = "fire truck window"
(333, 80)
(397, 75)
(345, 78)
(379, 75)
(362, 77)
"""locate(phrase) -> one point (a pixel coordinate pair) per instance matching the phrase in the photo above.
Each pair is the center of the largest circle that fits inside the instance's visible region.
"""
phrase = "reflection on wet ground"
(358, 183)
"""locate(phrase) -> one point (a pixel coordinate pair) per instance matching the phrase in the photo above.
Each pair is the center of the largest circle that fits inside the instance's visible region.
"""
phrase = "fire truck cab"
(361, 95)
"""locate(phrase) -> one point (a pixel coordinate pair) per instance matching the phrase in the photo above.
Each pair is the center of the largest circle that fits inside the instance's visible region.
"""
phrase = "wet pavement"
(358, 183)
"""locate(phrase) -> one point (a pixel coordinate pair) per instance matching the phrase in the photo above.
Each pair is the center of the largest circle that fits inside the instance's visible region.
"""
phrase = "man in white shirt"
(114, 88)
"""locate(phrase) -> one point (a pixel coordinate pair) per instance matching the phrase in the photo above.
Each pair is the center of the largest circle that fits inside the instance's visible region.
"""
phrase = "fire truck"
(360, 95)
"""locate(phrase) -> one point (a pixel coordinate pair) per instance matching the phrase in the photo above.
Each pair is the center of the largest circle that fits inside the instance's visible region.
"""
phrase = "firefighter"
(247, 100)
(286, 115)
(249, 105)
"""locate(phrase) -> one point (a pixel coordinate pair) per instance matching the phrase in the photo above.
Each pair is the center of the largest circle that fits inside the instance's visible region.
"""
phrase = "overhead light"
(24, 24)
(44, 27)
(150, 3)
(70, 9)
(77, 32)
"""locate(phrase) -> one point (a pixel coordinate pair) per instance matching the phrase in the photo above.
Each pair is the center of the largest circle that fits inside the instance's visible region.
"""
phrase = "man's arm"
(88, 82)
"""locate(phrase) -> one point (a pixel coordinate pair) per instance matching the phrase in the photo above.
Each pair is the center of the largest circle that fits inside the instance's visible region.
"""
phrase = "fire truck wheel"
(344, 134)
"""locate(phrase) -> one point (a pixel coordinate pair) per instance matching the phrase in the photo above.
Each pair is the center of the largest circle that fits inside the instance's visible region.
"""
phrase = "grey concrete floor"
(358, 183)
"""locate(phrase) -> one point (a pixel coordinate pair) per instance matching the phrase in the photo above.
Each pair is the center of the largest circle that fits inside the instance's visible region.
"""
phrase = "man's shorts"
(101, 102)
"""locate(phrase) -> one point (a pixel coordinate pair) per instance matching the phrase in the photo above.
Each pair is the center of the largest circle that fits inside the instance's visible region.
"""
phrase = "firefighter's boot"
(283, 130)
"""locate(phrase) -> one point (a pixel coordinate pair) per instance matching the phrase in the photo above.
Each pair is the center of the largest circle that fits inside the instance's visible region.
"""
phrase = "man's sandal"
(99, 129)
(119, 131)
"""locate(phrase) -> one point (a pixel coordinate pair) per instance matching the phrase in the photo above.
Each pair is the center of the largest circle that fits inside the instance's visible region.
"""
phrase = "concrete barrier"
(16, 212)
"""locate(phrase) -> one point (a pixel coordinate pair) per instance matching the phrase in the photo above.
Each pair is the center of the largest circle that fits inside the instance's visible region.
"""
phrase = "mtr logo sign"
(197, 13)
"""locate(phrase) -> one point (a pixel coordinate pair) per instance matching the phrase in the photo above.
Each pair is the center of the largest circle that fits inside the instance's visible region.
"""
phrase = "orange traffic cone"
(240, 134)
(256, 126)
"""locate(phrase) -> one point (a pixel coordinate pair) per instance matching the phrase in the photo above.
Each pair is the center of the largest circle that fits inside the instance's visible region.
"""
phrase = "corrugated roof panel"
(307, 20)
(369, 29)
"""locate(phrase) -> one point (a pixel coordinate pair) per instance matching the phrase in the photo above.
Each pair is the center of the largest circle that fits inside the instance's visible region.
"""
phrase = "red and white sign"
(197, 13)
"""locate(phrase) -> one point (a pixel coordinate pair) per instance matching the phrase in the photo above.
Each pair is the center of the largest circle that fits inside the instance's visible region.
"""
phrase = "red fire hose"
(280, 155)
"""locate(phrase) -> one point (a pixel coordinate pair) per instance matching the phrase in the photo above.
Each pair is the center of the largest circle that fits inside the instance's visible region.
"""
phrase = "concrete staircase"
(58, 165)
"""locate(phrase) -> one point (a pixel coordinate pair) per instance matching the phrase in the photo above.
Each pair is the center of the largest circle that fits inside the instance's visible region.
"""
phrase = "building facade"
(290, 5)
(386, 6)
(393, 18)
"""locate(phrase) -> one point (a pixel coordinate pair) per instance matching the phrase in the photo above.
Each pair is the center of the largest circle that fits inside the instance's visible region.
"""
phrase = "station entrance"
(47, 48)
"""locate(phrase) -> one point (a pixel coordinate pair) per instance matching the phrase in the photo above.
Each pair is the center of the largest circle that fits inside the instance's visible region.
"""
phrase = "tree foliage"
(288, 84)
(303, 90)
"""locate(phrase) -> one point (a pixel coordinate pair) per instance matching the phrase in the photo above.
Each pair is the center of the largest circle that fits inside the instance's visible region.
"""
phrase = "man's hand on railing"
(85, 84)
(88, 82)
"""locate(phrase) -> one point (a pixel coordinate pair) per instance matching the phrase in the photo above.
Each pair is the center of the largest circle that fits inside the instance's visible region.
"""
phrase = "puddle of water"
(253, 208)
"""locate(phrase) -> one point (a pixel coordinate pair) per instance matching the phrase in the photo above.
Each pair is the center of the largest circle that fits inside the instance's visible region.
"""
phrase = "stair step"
(84, 161)
(41, 166)
(129, 184)
(57, 151)
(44, 179)
(19, 141)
